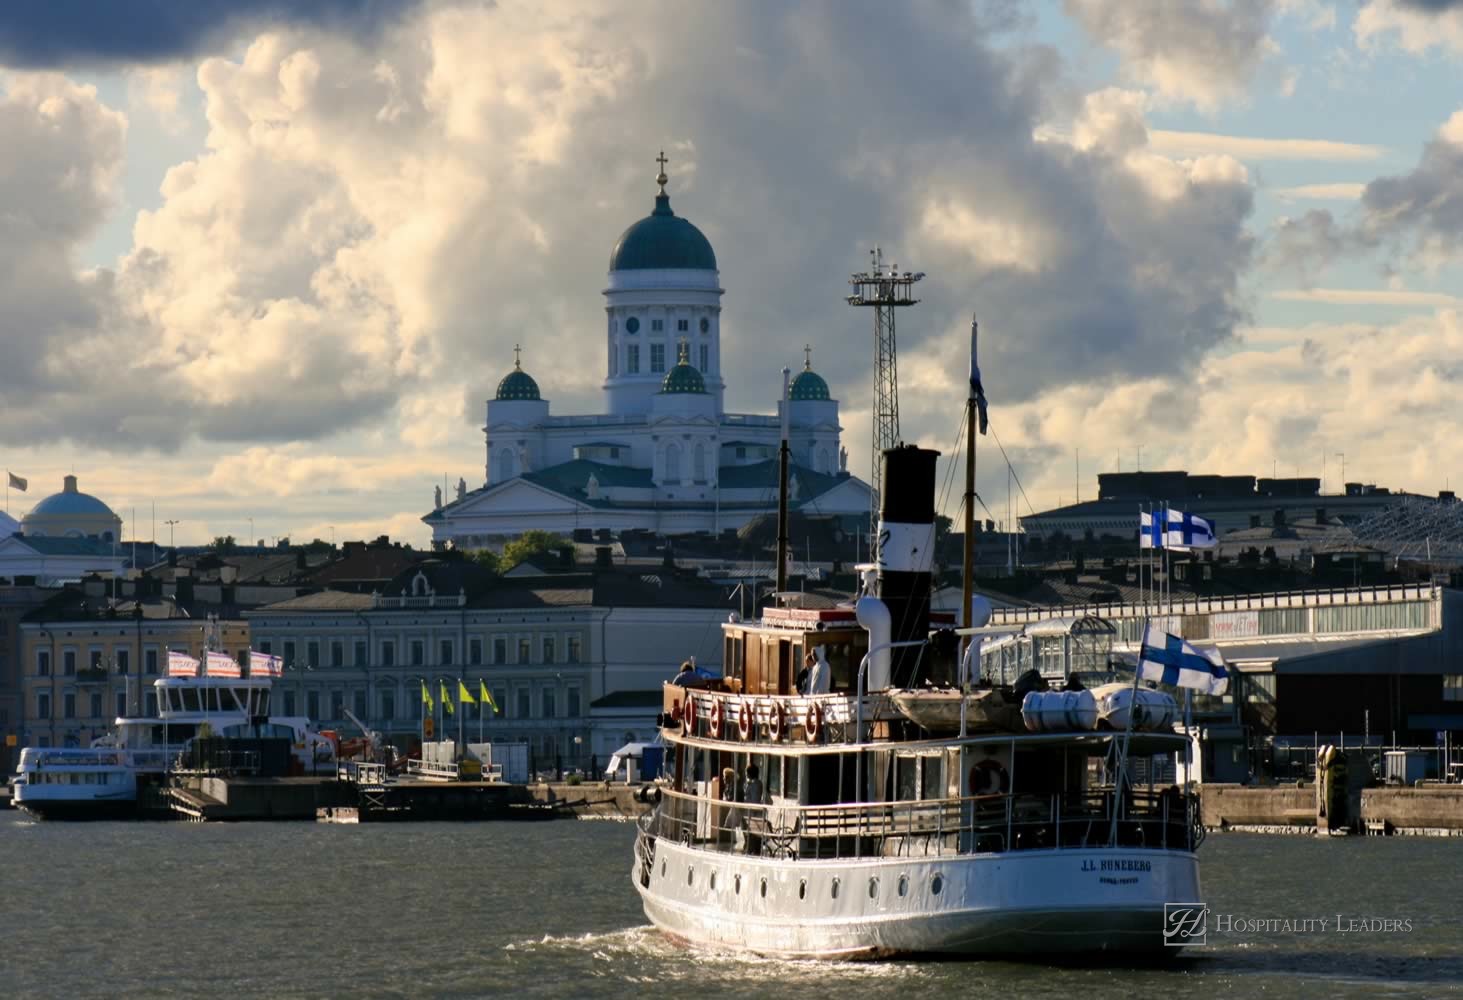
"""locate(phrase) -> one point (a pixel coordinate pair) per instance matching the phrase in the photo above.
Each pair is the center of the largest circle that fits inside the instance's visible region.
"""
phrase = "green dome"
(808, 385)
(662, 240)
(683, 378)
(518, 384)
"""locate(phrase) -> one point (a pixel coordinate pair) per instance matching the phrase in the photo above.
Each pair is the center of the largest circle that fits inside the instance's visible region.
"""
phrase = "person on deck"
(820, 678)
(808, 661)
(752, 794)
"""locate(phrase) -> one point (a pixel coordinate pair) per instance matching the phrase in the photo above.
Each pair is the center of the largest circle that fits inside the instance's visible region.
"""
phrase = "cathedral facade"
(666, 457)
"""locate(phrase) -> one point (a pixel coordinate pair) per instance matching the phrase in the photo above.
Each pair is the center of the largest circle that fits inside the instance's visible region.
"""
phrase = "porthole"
(873, 888)
(737, 884)
(764, 888)
(713, 882)
(662, 869)
(803, 889)
(632, 325)
(936, 884)
(835, 888)
(705, 324)
(690, 876)
(904, 885)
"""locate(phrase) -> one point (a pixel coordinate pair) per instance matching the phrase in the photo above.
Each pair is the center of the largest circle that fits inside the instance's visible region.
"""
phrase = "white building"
(666, 457)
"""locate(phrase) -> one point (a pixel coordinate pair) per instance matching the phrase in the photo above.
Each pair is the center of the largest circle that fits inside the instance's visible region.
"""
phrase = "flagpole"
(1119, 778)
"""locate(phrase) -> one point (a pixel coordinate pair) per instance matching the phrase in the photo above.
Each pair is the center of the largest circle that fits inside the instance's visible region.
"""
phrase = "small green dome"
(683, 378)
(809, 385)
(517, 384)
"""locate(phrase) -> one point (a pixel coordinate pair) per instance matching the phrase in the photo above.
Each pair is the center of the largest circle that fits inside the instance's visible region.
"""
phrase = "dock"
(1431, 809)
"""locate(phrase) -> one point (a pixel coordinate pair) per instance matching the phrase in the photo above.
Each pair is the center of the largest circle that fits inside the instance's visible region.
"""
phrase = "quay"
(1428, 810)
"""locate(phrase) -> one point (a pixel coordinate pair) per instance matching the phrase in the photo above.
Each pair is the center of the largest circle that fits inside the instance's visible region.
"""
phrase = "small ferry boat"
(899, 803)
(101, 781)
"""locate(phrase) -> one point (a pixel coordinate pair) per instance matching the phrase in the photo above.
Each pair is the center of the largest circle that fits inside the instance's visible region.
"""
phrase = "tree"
(223, 544)
(532, 543)
(486, 558)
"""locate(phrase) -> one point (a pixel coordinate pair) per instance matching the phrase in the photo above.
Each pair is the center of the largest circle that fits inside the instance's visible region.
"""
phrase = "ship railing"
(218, 762)
(979, 824)
(770, 718)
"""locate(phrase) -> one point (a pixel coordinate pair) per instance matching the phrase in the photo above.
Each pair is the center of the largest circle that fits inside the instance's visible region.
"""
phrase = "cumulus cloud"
(1414, 25)
(66, 33)
(1204, 52)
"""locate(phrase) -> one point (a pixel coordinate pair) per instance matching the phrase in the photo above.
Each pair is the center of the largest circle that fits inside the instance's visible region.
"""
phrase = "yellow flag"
(464, 696)
(446, 698)
(426, 697)
(487, 699)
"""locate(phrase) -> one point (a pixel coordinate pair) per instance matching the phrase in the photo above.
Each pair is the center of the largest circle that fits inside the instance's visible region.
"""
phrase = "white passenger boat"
(836, 825)
(101, 781)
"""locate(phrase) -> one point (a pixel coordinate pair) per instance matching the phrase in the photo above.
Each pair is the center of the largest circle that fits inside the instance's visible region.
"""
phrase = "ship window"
(690, 876)
(802, 888)
(737, 884)
(932, 778)
(662, 869)
(764, 888)
(835, 888)
(936, 884)
(713, 881)
(903, 885)
(190, 700)
(873, 888)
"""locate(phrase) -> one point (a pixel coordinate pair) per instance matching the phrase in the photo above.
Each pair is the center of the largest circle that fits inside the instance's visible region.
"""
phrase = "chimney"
(602, 558)
(906, 528)
(300, 559)
(1320, 515)
(183, 591)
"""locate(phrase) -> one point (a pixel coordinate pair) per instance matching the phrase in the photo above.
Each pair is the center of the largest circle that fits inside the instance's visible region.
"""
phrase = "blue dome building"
(662, 240)
(72, 514)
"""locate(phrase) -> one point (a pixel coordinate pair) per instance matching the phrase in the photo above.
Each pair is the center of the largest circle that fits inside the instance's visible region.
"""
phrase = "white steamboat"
(891, 803)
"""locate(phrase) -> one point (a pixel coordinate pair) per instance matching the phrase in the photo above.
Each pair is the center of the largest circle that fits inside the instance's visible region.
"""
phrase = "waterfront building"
(63, 537)
(546, 645)
(666, 457)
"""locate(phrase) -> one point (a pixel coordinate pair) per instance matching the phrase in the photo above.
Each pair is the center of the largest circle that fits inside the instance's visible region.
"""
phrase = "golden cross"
(807, 357)
(516, 356)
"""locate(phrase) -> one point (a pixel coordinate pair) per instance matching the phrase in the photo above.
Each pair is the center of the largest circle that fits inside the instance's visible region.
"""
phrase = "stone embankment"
(596, 800)
(1435, 810)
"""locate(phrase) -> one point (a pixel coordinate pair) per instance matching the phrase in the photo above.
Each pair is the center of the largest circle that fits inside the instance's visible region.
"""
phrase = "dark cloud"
(1431, 6)
(43, 34)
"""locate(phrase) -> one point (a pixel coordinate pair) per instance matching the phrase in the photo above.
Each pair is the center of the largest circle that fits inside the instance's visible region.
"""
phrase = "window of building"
(446, 652)
(388, 705)
(572, 649)
(68, 705)
(572, 703)
(68, 662)
(705, 324)
(121, 703)
(657, 325)
(683, 325)
(475, 652)
(43, 663)
(151, 704)
(1453, 687)
(149, 660)
(337, 703)
(500, 649)
(418, 652)
(312, 705)
(632, 325)
(525, 703)
(337, 653)
(550, 704)
(500, 698)
(94, 660)
(705, 358)
(388, 653)
(289, 703)
(548, 649)
(525, 649)
(43, 704)
(266, 647)
(657, 357)
(96, 705)
(360, 705)
(312, 654)
(361, 653)
(289, 654)
(632, 359)
(123, 657)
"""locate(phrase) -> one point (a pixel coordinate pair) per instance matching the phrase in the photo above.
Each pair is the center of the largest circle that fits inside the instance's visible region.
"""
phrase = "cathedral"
(666, 457)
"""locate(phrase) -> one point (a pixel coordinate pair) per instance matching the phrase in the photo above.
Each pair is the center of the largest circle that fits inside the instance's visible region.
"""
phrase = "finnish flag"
(1169, 659)
(1185, 531)
(1151, 529)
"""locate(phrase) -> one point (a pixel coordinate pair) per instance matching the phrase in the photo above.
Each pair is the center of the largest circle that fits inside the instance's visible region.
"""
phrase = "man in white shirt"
(820, 678)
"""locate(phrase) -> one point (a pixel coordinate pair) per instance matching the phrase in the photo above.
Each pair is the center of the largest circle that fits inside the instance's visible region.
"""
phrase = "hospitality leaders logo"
(1184, 924)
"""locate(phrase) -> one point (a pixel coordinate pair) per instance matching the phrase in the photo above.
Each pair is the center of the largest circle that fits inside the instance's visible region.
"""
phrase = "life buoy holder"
(777, 721)
(688, 715)
(989, 778)
(746, 720)
(813, 722)
(714, 719)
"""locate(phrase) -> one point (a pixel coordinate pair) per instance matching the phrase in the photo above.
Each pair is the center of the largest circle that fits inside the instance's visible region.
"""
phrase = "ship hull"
(1028, 904)
(119, 806)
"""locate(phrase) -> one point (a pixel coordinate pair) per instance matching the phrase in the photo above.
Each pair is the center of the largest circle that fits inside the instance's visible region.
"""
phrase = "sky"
(262, 263)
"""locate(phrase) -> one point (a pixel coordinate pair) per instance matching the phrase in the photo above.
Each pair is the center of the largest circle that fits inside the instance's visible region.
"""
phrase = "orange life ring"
(688, 715)
(989, 778)
(713, 719)
(746, 720)
(777, 721)
(813, 722)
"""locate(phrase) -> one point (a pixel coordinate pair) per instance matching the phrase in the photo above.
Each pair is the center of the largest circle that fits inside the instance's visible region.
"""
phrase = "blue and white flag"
(1185, 531)
(1169, 659)
(1150, 529)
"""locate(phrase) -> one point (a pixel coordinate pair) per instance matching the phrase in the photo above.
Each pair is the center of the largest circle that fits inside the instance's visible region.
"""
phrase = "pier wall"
(1251, 807)
(1431, 809)
(595, 800)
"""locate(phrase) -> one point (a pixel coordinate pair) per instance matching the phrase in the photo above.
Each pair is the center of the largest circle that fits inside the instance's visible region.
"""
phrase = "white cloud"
(1415, 27)
(1322, 192)
(1367, 297)
(1172, 143)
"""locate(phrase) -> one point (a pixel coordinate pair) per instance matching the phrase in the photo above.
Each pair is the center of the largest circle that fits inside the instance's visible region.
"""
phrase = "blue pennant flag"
(1150, 529)
(1169, 659)
(1185, 531)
